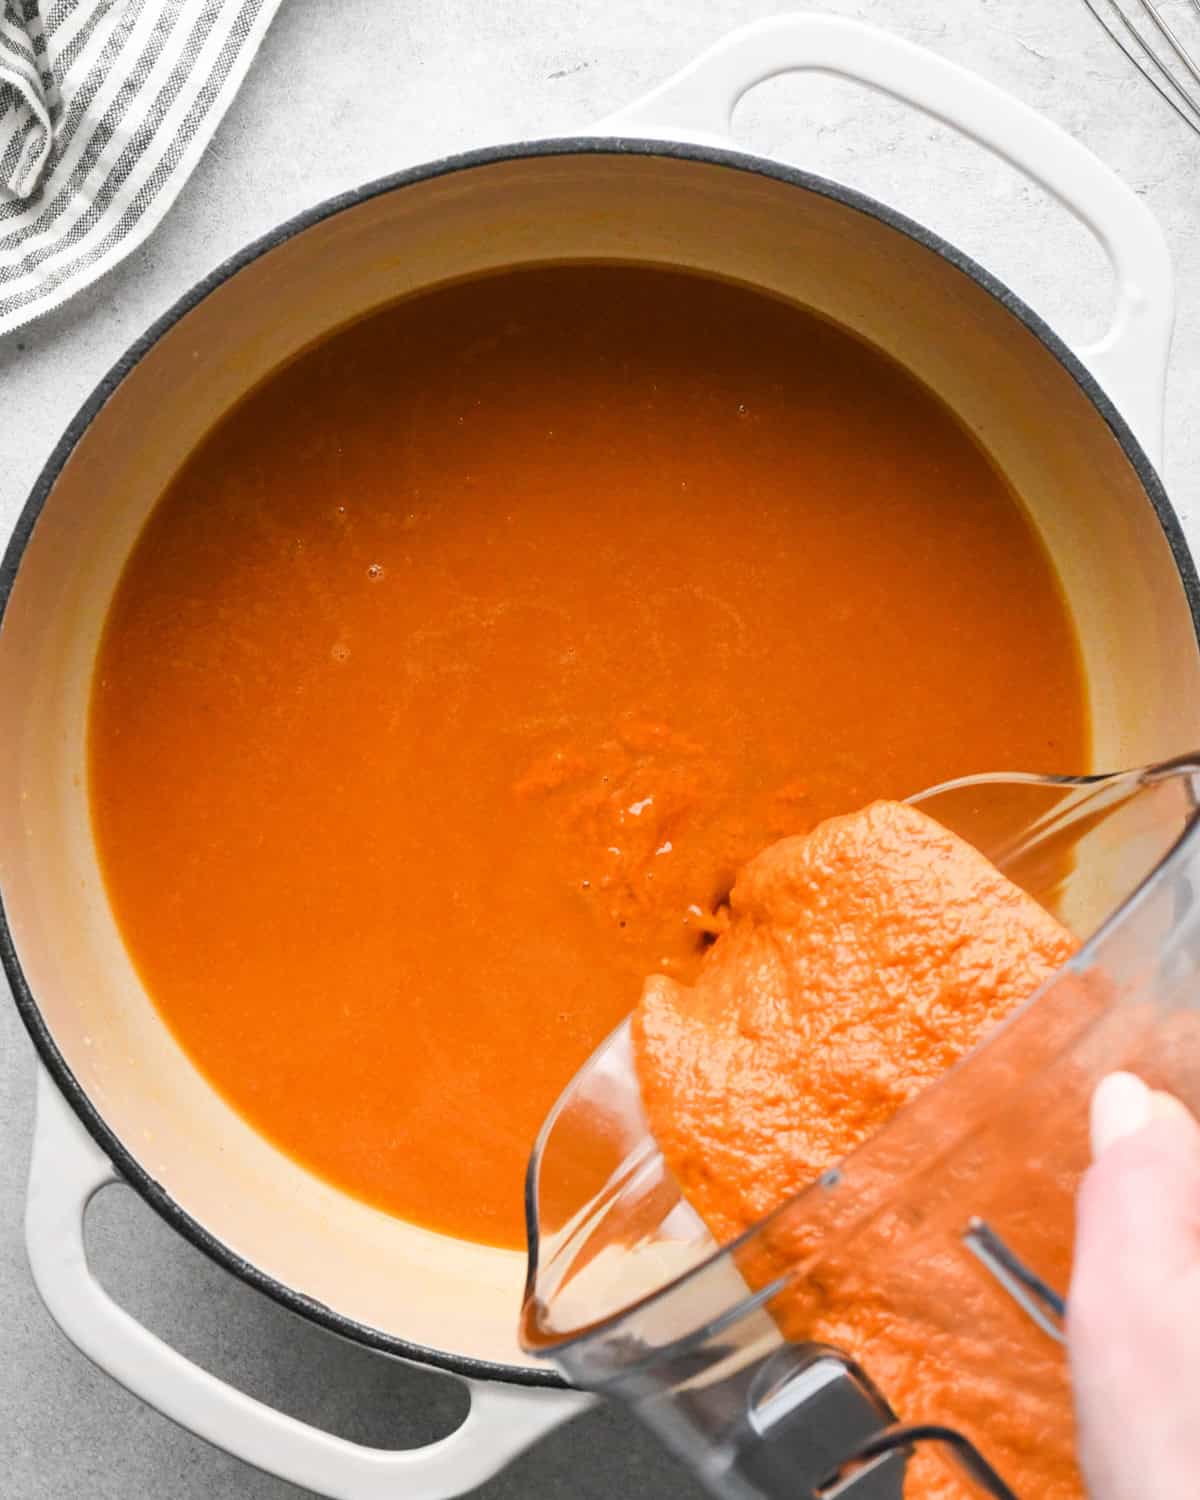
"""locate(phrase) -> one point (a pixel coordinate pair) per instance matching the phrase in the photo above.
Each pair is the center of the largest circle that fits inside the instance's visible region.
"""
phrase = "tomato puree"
(462, 665)
(860, 962)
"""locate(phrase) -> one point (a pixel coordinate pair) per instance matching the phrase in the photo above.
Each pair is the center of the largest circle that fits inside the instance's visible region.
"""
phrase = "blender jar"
(896, 1328)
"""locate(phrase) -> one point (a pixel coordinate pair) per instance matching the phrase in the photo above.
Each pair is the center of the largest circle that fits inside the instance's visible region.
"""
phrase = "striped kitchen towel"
(105, 108)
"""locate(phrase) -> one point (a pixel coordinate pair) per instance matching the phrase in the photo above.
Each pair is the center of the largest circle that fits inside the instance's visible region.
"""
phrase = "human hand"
(1133, 1314)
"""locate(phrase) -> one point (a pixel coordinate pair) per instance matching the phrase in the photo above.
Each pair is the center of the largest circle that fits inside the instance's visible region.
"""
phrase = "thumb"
(1132, 1311)
(1122, 1105)
(1138, 1214)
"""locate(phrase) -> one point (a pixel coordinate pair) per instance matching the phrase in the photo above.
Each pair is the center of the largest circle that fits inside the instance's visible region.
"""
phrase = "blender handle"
(697, 104)
(67, 1169)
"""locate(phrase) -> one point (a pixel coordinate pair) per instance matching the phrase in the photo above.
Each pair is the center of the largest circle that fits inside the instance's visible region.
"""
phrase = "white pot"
(1078, 435)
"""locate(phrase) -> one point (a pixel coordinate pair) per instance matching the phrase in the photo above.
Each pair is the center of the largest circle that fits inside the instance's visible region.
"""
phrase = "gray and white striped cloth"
(105, 109)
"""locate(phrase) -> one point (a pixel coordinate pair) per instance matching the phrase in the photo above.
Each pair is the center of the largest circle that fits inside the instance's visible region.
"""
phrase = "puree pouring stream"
(962, 1202)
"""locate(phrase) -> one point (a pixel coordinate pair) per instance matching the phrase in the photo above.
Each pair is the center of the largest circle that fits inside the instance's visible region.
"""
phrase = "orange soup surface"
(467, 659)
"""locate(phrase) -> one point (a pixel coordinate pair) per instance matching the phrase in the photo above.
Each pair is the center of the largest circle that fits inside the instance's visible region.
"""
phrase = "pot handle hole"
(67, 1169)
(697, 104)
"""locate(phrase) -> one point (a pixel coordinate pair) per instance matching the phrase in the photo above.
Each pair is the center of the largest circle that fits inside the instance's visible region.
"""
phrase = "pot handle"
(67, 1168)
(697, 104)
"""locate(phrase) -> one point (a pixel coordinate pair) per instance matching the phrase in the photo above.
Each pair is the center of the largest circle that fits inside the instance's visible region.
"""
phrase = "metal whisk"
(1155, 48)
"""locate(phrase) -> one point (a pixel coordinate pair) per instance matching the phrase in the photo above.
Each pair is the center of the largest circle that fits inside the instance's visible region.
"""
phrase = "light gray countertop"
(340, 94)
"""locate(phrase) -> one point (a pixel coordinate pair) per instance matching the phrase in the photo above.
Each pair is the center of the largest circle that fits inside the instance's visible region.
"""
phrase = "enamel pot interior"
(1089, 490)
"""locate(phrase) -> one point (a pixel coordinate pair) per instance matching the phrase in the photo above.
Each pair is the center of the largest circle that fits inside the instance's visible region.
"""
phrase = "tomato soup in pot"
(468, 657)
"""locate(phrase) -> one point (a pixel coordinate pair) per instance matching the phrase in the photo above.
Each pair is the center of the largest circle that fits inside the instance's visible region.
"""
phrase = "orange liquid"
(466, 660)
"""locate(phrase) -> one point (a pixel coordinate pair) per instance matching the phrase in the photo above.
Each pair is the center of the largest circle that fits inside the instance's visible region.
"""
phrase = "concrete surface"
(340, 94)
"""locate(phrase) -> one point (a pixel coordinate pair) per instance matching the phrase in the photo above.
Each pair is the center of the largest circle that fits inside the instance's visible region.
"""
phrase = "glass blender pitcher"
(954, 1223)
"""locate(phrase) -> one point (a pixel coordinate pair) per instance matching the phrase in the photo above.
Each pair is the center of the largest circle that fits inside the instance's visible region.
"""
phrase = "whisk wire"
(1161, 75)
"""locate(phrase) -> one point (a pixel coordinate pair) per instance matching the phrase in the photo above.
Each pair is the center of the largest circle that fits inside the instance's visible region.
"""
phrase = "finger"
(1121, 1106)
(1130, 1312)
(1138, 1212)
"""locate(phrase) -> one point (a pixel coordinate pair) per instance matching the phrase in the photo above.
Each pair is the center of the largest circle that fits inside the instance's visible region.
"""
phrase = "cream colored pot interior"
(1117, 569)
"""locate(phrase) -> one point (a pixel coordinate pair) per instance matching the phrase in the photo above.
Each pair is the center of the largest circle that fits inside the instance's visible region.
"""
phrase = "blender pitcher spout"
(710, 1344)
